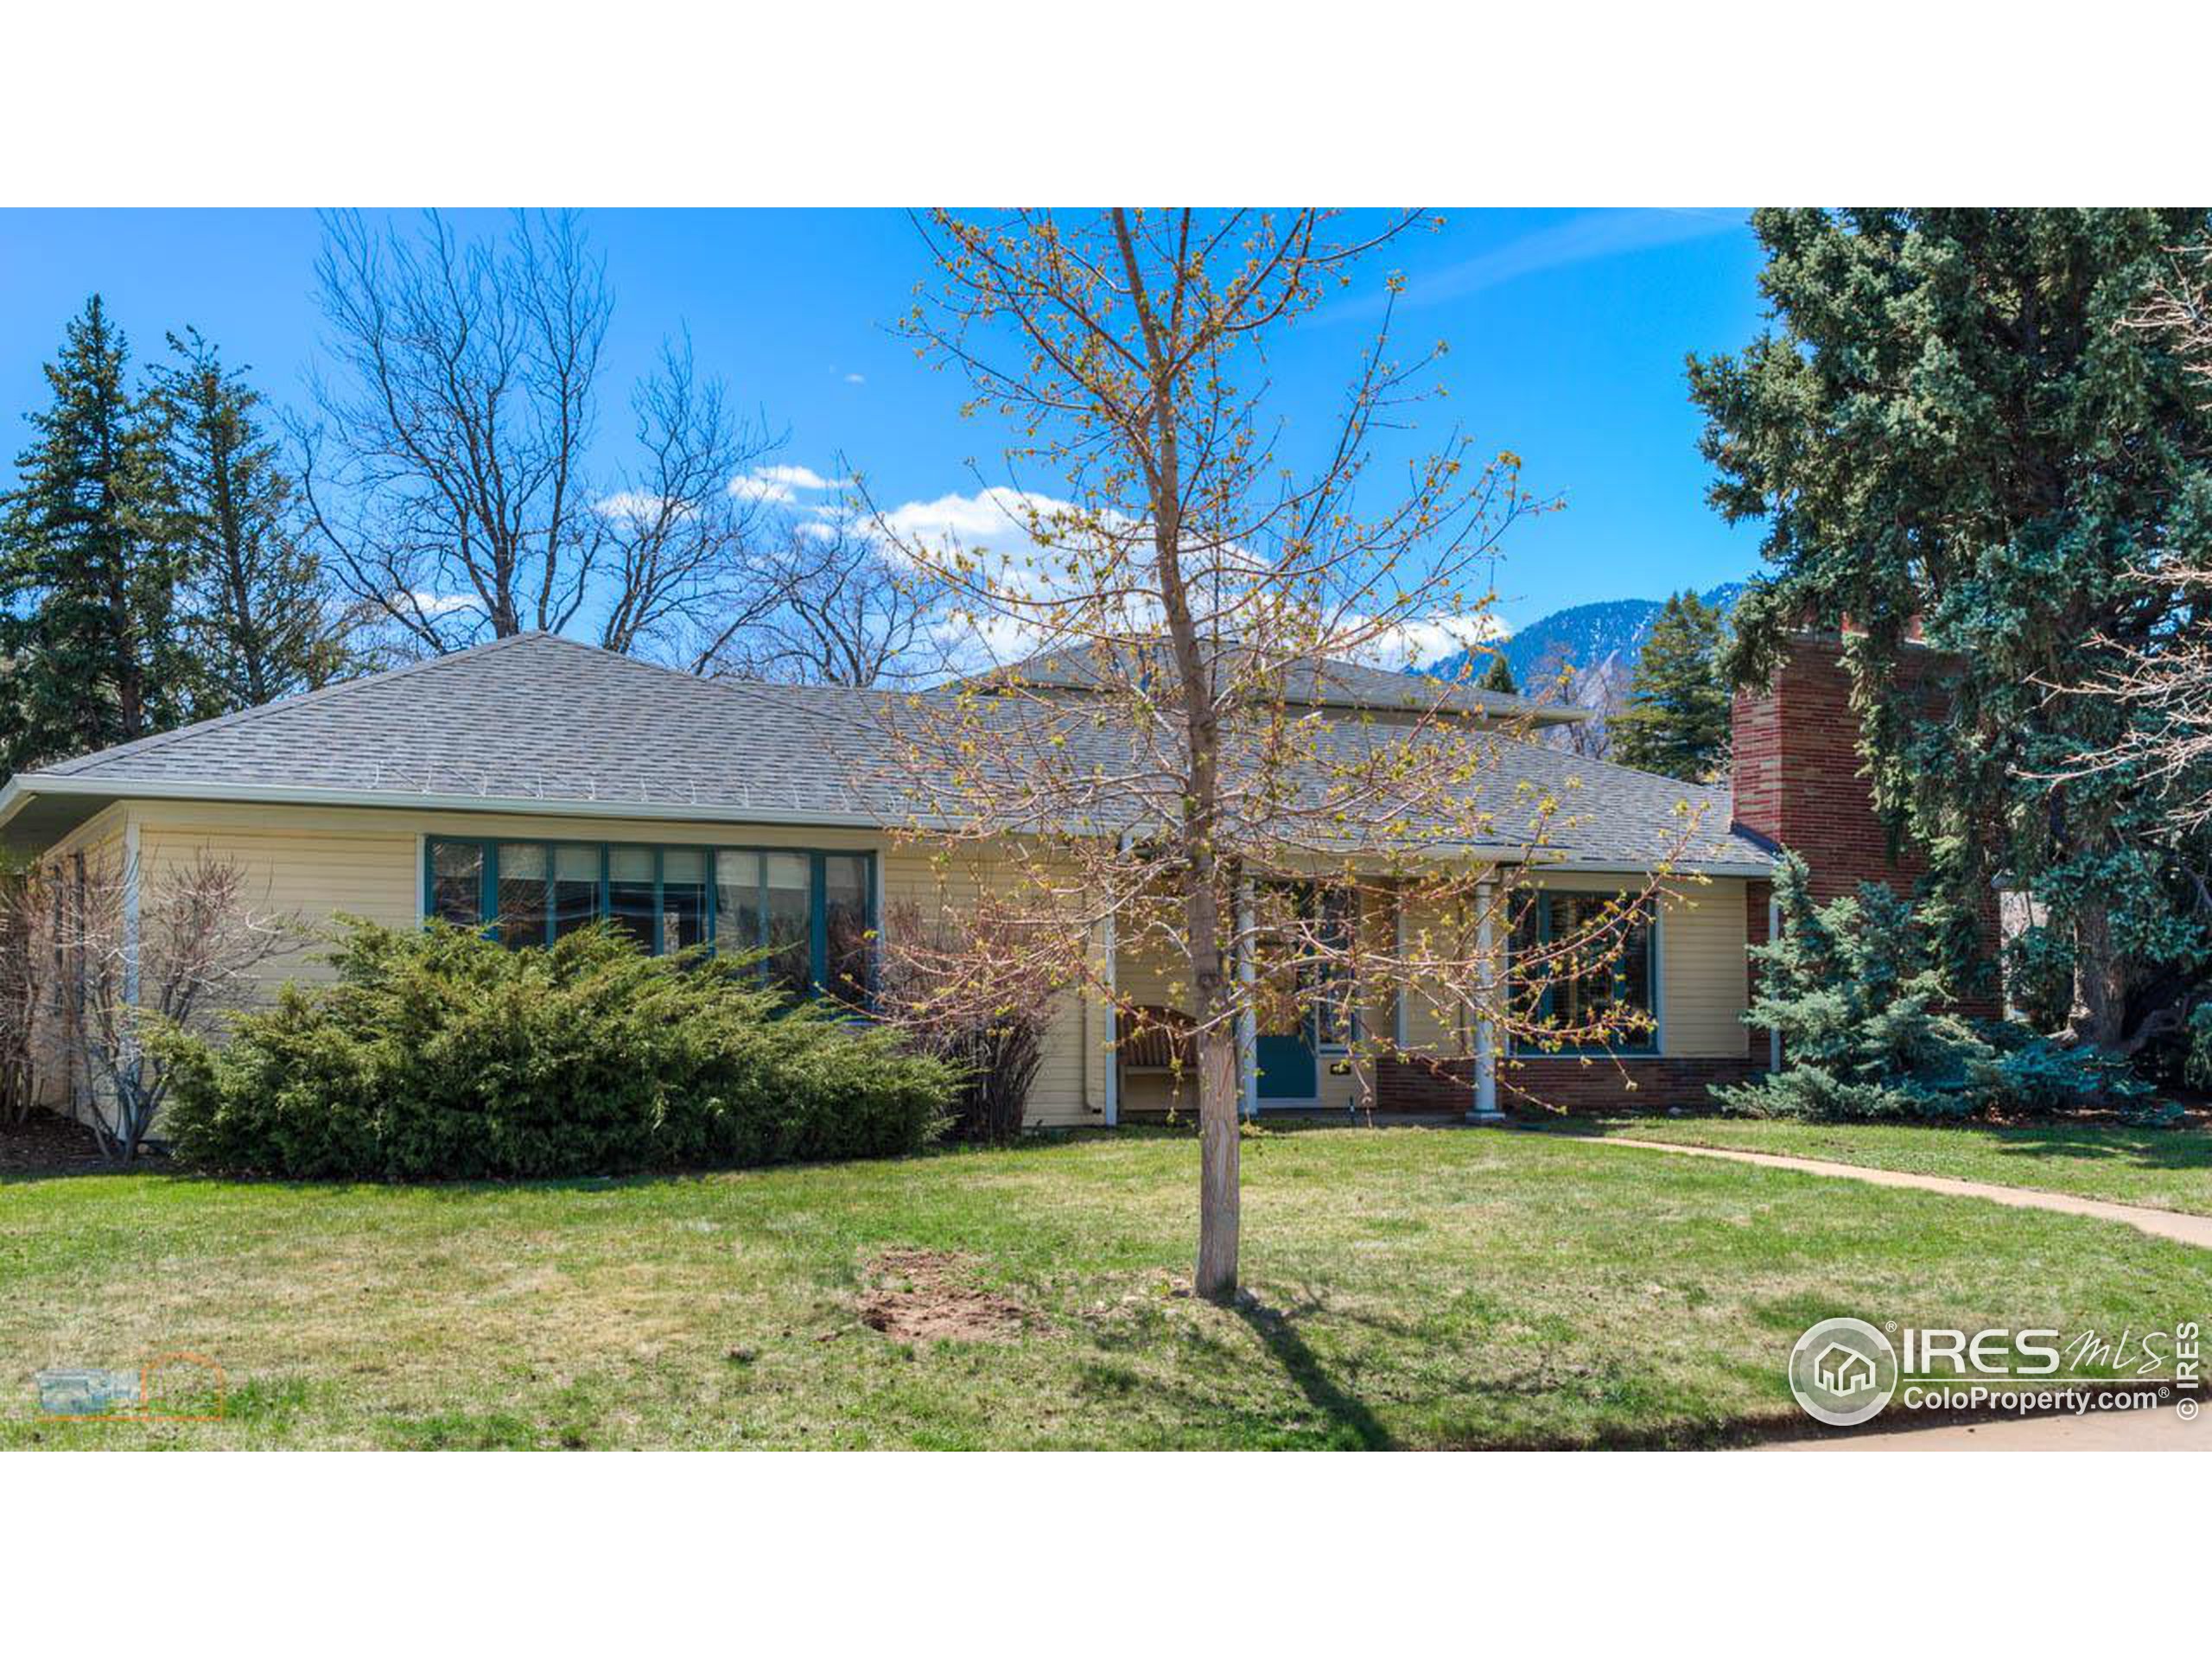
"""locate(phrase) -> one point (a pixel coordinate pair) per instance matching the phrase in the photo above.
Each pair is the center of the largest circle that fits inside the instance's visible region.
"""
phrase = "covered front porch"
(1304, 1050)
(1425, 1052)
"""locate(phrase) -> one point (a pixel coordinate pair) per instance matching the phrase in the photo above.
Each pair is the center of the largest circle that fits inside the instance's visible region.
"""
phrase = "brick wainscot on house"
(533, 785)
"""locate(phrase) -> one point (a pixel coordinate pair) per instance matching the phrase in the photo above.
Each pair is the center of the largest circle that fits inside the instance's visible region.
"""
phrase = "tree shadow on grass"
(1278, 1333)
(2144, 1148)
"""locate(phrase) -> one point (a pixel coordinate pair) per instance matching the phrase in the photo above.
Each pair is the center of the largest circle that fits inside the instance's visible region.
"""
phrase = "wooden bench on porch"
(1156, 1039)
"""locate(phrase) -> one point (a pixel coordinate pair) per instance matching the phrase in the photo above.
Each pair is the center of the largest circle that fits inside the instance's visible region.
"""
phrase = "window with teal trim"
(1336, 1014)
(809, 916)
(1605, 970)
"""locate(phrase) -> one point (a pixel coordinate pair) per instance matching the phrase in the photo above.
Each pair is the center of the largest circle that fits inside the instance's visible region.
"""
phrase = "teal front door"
(1285, 1065)
(1283, 1030)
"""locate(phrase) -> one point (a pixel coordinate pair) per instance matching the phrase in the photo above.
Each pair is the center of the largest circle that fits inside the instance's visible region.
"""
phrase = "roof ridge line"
(241, 716)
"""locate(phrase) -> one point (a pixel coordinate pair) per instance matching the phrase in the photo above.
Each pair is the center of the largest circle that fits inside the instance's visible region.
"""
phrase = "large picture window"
(810, 916)
(1609, 976)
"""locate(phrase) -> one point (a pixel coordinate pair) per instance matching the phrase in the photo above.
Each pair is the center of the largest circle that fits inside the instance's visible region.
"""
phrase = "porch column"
(1112, 1036)
(1487, 981)
(1248, 1037)
(1113, 1032)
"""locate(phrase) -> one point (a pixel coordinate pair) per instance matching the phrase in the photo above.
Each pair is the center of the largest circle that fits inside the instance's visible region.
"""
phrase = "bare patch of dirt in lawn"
(917, 1296)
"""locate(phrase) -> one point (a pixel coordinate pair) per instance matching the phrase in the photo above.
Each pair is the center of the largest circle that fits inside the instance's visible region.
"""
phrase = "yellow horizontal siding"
(941, 883)
(317, 862)
(1701, 980)
(59, 1079)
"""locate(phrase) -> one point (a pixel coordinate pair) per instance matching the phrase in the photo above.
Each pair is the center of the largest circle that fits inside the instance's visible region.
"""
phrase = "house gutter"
(29, 786)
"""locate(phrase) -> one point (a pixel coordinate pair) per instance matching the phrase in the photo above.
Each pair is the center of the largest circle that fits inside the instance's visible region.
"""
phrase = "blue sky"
(1567, 331)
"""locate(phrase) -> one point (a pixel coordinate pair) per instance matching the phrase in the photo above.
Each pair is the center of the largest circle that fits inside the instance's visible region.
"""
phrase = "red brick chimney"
(1797, 780)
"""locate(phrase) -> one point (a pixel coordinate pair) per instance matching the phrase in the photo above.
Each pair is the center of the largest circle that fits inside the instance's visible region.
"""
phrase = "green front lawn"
(2163, 1169)
(1414, 1288)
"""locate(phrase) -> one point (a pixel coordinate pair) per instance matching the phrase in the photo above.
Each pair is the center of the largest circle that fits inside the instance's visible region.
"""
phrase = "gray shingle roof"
(1330, 684)
(540, 721)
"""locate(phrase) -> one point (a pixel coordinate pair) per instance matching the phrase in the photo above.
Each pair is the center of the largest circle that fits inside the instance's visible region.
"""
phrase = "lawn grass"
(2161, 1169)
(1413, 1287)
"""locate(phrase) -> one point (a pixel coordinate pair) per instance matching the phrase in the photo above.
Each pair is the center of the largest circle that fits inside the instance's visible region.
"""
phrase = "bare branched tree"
(2165, 683)
(687, 573)
(22, 987)
(837, 606)
(1602, 689)
(967, 990)
(1167, 755)
(446, 472)
(108, 960)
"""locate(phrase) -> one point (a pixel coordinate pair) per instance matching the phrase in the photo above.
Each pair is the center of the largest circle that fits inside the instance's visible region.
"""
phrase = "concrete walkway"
(2162, 1430)
(2161, 1223)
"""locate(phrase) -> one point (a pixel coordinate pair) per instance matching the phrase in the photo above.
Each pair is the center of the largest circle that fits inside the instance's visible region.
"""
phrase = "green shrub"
(1855, 989)
(2029, 1075)
(439, 1055)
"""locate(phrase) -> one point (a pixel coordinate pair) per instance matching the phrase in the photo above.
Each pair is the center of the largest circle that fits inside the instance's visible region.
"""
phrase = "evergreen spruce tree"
(1676, 718)
(261, 624)
(1856, 989)
(92, 553)
(1499, 677)
(1949, 422)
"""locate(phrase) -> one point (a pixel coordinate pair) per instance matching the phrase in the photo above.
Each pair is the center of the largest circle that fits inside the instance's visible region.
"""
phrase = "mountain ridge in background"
(1603, 639)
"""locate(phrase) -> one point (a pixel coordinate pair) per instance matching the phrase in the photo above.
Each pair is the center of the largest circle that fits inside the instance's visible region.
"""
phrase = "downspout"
(1248, 1037)
(130, 912)
(1773, 932)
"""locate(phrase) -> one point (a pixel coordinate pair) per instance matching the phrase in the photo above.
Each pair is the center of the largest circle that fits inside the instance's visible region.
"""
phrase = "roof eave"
(25, 788)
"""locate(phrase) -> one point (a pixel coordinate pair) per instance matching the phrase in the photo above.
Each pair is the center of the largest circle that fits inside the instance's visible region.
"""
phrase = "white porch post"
(1400, 1013)
(1485, 1108)
(1248, 1037)
(1113, 1035)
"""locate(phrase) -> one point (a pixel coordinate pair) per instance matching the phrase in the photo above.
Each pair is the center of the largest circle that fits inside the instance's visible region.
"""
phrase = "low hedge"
(439, 1055)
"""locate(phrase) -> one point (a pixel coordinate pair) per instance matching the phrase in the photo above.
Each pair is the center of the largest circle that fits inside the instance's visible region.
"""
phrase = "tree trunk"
(1219, 1201)
(2100, 979)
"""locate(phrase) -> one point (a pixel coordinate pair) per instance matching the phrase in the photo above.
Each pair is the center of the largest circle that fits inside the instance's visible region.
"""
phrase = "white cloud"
(431, 604)
(1419, 641)
(856, 379)
(637, 508)
(996, 519)
(992, 526)
(778, 483)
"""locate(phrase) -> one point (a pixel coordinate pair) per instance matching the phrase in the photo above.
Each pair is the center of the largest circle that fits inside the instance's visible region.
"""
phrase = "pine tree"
(1676, 719)
(1499, 677)
(261, 622)
(1948, 424)
(1856, 990)
(92, 554)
